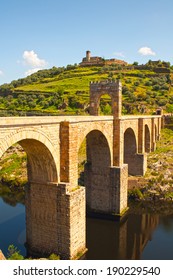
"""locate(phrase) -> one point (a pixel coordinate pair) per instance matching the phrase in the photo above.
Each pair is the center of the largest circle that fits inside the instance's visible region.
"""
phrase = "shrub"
(156, 87)
(148, 83)
(135, 194)
(54, 257)
(136, 83)
(14, 254)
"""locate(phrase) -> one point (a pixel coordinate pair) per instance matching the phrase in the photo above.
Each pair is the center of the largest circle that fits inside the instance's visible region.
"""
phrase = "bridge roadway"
(57, 119)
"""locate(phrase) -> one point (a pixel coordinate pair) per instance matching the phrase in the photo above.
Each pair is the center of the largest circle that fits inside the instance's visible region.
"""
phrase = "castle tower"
(88, 55)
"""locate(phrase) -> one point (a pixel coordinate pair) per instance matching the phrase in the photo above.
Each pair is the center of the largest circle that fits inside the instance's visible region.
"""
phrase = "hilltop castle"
(99, 61)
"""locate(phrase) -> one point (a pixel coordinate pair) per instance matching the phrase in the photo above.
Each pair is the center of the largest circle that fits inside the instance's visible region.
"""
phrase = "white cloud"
(146, 51)
(31, 71)
(120, 54)
(32, 59)
(1, 73)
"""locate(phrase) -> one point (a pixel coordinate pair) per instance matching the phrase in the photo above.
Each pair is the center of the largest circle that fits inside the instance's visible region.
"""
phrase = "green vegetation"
(158, 181)
(135, 194)
(13, 168)
(54, 257)
(14, 254)
(65, 90)
(12, 195)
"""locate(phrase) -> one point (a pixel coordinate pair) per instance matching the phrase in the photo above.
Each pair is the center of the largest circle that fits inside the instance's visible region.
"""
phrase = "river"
(140, 235)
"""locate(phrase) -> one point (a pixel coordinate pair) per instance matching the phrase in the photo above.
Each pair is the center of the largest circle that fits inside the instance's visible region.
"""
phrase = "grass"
(165, 144)
(74, 83)
(69, 81)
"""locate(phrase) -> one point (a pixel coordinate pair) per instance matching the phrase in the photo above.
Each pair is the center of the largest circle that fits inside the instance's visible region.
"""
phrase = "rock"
(153, 192)
(164, 188)
(2, 257)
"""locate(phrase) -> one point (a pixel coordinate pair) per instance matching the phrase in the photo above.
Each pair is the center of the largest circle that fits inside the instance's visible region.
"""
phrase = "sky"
(40, 34)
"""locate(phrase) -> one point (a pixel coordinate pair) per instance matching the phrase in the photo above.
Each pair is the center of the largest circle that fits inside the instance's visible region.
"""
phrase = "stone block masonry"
(55, 220)
(113, 88)
(55, 205)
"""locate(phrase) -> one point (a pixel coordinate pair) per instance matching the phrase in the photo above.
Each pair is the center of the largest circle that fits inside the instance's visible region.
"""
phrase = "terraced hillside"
(66, 90)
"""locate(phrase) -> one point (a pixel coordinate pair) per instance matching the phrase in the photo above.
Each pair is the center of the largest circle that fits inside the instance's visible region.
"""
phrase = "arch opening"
(105, 105)
(147, 139)
(130, 150)
(156, 135)
(41, 166)
(40, 163)
(40, 196)
(95, 175)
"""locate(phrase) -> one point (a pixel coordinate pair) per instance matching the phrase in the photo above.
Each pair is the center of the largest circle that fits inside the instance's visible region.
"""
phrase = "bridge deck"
(8, 121)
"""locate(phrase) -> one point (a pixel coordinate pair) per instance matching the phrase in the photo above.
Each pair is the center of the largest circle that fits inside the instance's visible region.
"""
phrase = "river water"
(140, 235)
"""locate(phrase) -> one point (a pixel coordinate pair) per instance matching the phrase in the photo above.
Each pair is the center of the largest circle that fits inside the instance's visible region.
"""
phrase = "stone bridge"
(115, 146)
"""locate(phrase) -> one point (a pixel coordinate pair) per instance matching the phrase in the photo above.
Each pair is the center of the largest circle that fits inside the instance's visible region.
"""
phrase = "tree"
(135, 63)
(169, 108)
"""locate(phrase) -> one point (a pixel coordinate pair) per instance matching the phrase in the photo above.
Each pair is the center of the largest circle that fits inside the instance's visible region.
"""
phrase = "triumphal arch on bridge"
(55, 204)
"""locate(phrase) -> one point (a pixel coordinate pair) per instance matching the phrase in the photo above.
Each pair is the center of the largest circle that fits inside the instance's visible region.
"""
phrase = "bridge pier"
(119, 182)
(107, 193)
(55, 220)
(137, 164)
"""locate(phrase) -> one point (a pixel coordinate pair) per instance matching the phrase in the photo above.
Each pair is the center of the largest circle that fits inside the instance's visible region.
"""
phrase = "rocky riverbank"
(157, 184)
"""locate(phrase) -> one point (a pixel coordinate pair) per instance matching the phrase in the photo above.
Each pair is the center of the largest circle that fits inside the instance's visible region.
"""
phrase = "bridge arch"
(87, 131)
(97, 172)
(41, 162)
(156, 133)
(130, 149)
(147, 139)
(113, 89)
(98, 102)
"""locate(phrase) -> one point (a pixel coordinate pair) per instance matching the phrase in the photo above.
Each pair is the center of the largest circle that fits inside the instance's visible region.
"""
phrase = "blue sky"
(38, 34)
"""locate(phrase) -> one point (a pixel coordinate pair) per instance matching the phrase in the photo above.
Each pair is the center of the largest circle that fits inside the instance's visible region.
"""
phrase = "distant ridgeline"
(99, 61)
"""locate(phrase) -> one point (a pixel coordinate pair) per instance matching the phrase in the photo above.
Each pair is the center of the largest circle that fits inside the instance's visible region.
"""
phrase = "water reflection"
(13, 195)
(12, 226)
(120, 240)
(138, 236)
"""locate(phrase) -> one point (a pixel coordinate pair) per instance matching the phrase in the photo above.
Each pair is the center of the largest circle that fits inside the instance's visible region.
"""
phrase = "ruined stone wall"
(99, 61)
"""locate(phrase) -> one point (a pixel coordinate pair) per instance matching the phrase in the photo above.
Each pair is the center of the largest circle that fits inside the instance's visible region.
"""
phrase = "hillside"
(65, 90)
